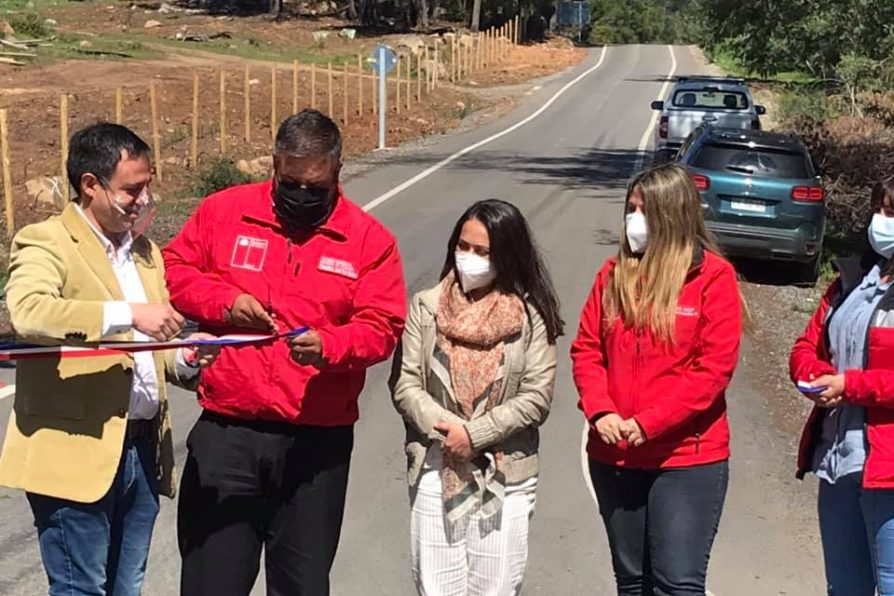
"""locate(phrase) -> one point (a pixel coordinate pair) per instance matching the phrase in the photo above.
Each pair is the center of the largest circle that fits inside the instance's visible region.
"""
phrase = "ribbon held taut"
(19, 351)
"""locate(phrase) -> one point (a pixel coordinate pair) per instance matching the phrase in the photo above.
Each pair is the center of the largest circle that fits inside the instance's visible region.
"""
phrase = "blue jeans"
(101, 548)
(661, 525)
(857, 530)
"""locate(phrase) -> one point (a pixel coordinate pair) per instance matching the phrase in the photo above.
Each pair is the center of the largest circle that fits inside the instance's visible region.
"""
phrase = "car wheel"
(809, 272)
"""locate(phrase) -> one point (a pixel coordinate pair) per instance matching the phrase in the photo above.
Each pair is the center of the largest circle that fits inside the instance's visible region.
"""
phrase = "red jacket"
(872, 387)
(675, 392)
(344, 280)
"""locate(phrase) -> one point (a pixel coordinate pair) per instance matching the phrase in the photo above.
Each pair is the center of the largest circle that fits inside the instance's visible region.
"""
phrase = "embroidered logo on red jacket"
(249, 253)
(338, 267)
(687, 311)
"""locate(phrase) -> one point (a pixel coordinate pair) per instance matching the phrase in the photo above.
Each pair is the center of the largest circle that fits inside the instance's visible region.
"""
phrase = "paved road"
(566, 168)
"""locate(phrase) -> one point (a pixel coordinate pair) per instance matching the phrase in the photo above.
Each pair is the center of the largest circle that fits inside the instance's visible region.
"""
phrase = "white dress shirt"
(118, 318)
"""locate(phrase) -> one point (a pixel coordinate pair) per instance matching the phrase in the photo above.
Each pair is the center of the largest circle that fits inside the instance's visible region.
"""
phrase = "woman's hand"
(611, 428)
(633, 432)
(457, 442)
(834, 393)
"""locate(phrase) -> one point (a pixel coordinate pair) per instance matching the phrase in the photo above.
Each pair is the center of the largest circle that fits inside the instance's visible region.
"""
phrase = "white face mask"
(881, 235)
(146, 209)
(637, 232)
(474, 271)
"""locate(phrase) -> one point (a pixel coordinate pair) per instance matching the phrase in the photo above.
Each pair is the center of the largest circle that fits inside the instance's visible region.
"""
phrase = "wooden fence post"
(313, 85)
(344, 90)
(397, 79)
(360, 86)
(63, 134)
(194, 145)
(119, 105)
(156, 137)
(273, 123)
(329, 91)
(7, 175)
(223, 112)
(295, 87)
(247, 103)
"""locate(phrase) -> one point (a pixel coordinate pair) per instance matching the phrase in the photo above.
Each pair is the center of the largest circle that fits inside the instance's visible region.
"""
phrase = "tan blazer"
(67, 428)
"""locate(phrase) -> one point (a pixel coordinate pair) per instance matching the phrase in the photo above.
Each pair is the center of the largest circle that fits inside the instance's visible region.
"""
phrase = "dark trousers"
(661, 525)
(249, 485)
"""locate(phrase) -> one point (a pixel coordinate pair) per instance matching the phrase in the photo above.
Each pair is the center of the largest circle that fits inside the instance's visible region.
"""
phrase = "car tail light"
(662, 127)
(701, 182)
(808, 194)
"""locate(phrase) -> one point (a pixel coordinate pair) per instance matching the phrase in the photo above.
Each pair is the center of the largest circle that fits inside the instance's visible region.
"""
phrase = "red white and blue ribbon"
(17, 351)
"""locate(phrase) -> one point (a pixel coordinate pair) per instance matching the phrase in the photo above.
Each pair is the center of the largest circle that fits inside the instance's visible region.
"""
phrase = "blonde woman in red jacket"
(656, 349)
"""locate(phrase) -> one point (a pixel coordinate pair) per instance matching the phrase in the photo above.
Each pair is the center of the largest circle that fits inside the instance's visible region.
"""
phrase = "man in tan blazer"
(89, 439)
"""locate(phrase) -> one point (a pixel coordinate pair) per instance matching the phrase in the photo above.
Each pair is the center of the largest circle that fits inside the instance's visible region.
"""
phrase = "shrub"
(29, 25)
(805, 108)
(220, 174)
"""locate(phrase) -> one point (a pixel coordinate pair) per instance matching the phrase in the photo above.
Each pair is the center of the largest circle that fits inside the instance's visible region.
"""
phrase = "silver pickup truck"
(694, 100)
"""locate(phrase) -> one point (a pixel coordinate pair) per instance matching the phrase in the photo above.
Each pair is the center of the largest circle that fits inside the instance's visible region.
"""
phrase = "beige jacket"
(529, 376)
(67, 428)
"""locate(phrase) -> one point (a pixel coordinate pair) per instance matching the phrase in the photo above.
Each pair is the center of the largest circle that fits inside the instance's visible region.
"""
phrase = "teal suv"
(760, 193)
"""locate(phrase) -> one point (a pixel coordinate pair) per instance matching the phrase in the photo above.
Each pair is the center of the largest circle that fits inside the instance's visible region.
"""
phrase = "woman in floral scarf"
(473, 380)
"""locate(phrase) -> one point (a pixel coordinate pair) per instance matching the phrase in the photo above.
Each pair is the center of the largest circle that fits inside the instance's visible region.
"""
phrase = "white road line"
(585, 466)
(650, 130)
(643, 143)
(426, 173)
(7, 391)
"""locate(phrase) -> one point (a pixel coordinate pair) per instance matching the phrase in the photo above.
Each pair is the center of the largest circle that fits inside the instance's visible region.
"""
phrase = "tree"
(475, 23)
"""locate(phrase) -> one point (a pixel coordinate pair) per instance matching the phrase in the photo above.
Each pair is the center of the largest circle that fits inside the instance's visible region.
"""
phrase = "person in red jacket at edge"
(268, 458)
(656, 349)
(845, 364)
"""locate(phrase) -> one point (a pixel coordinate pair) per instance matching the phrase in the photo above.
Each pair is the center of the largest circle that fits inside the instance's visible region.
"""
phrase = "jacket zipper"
(636, 369)
(698, 443)
(878, 308)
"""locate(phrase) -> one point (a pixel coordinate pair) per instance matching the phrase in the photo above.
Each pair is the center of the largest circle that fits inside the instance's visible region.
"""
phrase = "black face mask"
(301, 208)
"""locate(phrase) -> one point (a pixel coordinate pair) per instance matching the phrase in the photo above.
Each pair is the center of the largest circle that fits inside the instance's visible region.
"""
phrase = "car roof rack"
(759, 138)
(706, 78)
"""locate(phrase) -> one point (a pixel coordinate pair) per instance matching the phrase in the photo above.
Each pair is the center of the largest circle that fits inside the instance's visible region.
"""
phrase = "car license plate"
(749, 206)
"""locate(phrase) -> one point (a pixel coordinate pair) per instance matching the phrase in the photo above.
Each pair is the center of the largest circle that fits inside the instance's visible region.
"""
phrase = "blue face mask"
(881, 235)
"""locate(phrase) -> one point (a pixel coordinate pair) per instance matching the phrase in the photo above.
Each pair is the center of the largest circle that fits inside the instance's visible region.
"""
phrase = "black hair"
(514, 255)
(309, 133)
(883, 188)
(98, 148)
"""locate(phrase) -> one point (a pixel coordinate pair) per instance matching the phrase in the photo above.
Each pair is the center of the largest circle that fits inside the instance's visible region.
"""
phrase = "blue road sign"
(390, 58)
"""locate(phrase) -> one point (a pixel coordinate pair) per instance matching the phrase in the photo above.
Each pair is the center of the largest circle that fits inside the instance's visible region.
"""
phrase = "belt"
(140, 429)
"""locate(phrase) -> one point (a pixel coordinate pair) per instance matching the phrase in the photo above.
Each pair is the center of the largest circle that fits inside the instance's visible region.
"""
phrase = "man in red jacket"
(268, 458)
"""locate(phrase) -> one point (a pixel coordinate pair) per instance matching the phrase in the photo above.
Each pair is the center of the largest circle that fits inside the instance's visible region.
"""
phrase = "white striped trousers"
(478, 557)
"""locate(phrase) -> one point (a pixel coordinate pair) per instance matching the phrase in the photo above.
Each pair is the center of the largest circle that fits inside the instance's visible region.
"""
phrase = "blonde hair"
(643, 289)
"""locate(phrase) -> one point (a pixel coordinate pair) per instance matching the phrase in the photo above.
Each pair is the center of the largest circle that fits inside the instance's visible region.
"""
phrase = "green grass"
(731, 65)
(253, 49)
(39, 5)
(67, 46)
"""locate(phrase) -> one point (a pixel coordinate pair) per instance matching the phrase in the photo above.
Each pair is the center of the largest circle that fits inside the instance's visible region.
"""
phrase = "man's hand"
(158, 321)
(201, 356)
(457, 442)
(247, 312)
(610, 428)
(633, 432)
(307, 349)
